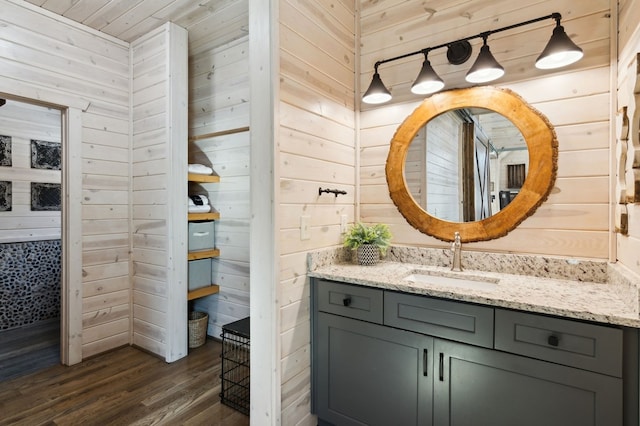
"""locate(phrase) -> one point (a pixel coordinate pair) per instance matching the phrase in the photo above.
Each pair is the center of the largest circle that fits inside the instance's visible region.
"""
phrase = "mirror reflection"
(466, 164)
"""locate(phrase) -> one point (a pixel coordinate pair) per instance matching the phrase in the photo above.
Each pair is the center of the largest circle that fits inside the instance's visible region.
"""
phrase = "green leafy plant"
(359, 234)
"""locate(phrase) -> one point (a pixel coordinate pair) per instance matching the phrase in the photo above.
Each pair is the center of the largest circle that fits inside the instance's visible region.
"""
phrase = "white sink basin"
(460, 280)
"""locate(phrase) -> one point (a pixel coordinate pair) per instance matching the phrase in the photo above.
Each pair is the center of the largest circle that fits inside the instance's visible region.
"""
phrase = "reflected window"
(515, 175)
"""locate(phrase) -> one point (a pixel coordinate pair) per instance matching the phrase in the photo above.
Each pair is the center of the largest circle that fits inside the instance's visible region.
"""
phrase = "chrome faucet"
(456, 248)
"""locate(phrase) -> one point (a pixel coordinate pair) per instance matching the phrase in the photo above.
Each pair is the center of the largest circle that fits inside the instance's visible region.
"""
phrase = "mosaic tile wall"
(30, 275)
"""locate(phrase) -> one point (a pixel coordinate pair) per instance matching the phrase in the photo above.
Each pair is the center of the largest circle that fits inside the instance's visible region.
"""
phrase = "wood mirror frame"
(541, 142)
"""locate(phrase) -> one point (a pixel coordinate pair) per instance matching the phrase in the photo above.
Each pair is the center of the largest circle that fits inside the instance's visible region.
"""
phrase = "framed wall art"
(46, 155)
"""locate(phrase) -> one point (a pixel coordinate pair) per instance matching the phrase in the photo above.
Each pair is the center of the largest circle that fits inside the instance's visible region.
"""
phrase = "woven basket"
(197, 328)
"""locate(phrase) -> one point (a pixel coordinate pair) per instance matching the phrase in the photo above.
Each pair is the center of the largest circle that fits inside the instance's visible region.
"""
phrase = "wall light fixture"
(560, 51)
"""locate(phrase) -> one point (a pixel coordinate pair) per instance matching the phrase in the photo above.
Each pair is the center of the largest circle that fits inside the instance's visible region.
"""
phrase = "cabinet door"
(476, 386)
(370, 374)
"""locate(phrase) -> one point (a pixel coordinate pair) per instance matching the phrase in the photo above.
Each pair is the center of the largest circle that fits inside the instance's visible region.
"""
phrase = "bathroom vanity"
(512, 339)
(412, 345)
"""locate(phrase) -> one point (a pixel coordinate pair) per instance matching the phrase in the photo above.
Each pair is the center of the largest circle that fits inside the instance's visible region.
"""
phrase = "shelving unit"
(207, 253)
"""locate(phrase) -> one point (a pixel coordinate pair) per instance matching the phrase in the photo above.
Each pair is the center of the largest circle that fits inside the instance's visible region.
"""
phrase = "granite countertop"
(610, 301)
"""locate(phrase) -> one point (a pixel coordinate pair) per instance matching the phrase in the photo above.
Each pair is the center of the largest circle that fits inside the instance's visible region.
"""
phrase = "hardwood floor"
(27, 349)
(123, 387)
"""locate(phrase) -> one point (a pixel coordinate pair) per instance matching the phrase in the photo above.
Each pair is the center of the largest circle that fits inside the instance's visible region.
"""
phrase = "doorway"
(31, 239)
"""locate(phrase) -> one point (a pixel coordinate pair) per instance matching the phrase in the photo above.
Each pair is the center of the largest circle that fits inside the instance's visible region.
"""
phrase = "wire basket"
(197, 328)
(235, 375)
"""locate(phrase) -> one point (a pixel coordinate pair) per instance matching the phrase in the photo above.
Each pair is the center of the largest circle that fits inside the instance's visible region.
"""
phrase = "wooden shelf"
(203, 216)
(194, 177)
(203, 254)
(219, 133)
(204, 291)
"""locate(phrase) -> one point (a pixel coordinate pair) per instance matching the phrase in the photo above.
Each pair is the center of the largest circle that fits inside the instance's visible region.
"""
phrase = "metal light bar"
(560, 51)
(554, 15)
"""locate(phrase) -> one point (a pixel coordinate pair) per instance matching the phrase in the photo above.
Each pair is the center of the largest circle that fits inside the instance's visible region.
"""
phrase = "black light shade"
(377, 93)
(485, 68)
(428, 81)
(559, 52)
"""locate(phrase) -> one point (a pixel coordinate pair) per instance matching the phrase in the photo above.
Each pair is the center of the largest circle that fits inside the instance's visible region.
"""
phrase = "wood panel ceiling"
(129, 19)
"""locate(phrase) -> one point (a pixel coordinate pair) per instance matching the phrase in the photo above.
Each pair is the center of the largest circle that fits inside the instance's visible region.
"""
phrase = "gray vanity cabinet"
(478, 386)
(382, 357)
(365, 373)
(371, 374)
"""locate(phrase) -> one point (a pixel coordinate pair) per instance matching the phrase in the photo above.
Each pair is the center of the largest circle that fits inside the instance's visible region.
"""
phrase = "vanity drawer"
(363, 303)
(440, 318)
(587, 346)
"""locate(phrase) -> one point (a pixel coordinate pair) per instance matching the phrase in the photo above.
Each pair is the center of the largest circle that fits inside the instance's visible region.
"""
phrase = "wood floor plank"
(123, 387)
(70, 387)
(29, 348)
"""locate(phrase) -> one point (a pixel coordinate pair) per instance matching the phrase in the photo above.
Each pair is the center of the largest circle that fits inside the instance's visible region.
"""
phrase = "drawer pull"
(425, 363)
(346, 301)
(553, 340)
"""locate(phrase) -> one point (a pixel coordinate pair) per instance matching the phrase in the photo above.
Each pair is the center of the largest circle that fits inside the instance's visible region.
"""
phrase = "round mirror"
(476, 161)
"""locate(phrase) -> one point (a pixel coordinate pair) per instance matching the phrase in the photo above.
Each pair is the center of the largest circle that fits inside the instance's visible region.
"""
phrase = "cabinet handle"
(441, 368)
(553, 340)
(346, 301)
(425, 362)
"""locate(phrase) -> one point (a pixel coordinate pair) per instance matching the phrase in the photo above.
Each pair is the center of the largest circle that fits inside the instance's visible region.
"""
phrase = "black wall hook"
(331, 191)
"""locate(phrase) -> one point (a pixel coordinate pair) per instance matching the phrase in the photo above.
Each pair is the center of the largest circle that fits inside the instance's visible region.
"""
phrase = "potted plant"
(369, 242)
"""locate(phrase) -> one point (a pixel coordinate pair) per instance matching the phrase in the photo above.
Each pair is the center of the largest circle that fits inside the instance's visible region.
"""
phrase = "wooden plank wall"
(42, 52)
(443, 154)
(149, 197)
(414, 172)
(575, 220)
(22, 122)
(316, 149)
(159, 192)
(628, 246)
(219, 101)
